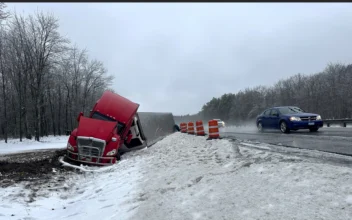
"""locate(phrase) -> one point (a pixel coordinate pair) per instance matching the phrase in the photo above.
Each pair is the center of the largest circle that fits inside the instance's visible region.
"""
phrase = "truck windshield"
(99, 116)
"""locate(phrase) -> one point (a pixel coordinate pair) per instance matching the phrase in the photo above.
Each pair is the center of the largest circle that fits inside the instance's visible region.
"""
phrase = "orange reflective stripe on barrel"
(200, 128)
(213, 129)
(190, 128)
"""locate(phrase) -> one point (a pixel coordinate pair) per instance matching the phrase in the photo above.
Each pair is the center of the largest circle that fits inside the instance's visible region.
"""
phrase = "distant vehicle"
(288, 118)
(221, 124)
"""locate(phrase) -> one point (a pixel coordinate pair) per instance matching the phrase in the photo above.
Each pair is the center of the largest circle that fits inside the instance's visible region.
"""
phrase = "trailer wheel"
(176, 128)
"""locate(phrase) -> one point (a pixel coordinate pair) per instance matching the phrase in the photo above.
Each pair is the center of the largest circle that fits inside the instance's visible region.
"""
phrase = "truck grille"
(311, 118)
(90, 146)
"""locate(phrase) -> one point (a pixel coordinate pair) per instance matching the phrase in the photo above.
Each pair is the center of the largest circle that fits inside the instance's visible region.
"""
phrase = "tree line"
(45, 81)
(328, 93)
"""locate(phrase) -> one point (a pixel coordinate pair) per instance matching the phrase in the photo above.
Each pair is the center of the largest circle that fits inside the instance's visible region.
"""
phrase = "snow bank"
(187, 177)
(190, 178)
(92, 196)
(15, 146)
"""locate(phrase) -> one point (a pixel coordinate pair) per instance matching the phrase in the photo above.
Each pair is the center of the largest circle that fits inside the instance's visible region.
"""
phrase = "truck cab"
(112, 124)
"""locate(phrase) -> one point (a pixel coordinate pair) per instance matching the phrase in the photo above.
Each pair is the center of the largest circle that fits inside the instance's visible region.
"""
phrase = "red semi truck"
(112, 126)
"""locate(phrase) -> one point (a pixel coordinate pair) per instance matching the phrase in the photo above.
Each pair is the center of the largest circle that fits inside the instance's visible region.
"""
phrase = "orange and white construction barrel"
(200, 128)
(190, 128)
(183, 127)
(213, 130)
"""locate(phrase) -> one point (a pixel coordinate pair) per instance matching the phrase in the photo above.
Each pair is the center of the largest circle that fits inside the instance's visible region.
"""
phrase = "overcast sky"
(174, 57)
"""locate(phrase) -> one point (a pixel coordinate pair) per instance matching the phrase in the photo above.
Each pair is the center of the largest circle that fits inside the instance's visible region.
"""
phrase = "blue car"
(287, 118)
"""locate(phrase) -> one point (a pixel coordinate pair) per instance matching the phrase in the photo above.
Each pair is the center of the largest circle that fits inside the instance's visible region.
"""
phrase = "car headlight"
(295, 118)
(318, 117)
(111, 153)
(70, 147)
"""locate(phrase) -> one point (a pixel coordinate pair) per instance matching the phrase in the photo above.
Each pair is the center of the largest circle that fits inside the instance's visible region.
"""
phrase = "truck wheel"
(118, 156)
(176, 128)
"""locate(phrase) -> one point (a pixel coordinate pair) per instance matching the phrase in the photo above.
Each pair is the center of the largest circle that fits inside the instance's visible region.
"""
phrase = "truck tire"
(118, 156)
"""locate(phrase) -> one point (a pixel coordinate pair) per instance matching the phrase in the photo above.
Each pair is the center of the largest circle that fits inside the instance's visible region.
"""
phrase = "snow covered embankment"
(91, 196)
(191, 178)
(187, 177)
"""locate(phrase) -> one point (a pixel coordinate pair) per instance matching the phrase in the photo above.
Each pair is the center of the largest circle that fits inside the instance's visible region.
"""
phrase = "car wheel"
(260, 127)
(283, 127)
(313, 129)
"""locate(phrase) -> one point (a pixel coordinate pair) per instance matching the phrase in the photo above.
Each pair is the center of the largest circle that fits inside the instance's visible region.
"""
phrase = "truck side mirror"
(79, 116)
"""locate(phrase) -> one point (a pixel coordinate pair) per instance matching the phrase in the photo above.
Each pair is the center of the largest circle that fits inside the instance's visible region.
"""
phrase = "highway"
(333, 139)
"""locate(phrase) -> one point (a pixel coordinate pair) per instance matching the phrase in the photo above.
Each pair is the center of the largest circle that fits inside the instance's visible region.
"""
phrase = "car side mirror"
(79, 116)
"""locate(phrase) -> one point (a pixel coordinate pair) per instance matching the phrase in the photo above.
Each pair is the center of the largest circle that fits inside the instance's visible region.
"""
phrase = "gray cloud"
(175, 57)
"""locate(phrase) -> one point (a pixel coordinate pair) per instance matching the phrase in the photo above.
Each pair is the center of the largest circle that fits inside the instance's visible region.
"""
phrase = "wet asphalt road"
(333, 139)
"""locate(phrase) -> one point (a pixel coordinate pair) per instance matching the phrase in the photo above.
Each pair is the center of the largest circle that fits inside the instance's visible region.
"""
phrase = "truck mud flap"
(156, 126)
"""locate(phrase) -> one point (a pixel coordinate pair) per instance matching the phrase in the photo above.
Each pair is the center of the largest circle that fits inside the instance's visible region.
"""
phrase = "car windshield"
(290, 110)
(99, 116)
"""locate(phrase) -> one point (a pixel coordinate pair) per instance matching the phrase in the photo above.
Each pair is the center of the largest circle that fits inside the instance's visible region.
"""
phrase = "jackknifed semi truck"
(115, 126)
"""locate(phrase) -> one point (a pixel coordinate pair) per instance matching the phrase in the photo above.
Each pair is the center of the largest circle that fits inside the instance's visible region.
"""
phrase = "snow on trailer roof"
(119, 107)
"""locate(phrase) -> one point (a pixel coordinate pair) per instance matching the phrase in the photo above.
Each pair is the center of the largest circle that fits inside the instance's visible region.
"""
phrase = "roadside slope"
(191, 178)
(187, 177)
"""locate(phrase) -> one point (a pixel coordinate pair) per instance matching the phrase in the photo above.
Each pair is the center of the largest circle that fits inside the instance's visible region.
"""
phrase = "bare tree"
(328, 93)
(44, 81)
(3, 77)
(3, 14)
(46, 45)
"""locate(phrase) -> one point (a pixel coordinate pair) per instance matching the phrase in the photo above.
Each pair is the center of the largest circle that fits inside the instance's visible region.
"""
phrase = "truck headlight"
(318, 117)
(295, 118)
(70, 147)
(111, 153)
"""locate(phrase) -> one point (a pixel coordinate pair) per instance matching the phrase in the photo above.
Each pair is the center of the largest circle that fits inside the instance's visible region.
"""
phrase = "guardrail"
(343, 122)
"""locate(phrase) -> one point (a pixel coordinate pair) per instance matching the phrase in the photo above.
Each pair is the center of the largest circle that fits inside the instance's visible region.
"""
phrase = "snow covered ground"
(187, 177)
(15, 146)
